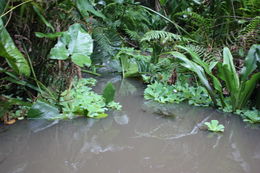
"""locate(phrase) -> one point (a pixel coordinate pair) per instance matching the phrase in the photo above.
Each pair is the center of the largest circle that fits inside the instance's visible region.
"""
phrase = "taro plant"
(214, 126)
(241, 86)
(75, 44)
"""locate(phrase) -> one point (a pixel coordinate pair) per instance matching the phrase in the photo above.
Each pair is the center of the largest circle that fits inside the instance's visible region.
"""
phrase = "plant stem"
(13, 8)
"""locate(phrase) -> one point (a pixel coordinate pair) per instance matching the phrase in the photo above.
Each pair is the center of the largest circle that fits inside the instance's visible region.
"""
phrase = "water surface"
(135, 140)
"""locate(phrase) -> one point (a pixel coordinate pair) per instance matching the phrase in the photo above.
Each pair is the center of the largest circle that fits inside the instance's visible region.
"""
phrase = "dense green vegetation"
(205, 53)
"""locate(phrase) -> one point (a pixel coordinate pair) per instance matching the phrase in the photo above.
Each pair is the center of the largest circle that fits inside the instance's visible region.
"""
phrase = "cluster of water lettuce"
(177, 93)
(251, 116)
(198, 96)
(81, 100)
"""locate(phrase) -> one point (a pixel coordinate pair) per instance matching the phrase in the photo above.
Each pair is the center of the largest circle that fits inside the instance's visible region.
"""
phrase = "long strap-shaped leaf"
(247, 89)
(216, 83)
(251, 60)
(230, 68)
(8, 50)
(198, 70)
(227, 73)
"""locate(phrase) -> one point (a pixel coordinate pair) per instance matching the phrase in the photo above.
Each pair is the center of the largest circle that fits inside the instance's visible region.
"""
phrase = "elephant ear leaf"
(13, 56)
(75, 43)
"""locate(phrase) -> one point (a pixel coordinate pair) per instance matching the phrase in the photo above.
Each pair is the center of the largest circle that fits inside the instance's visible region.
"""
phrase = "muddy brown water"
(135, 140)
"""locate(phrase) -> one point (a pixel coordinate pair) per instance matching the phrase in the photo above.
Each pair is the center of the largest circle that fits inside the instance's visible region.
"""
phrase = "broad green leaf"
(251, 116)
(109, 93)
(208, 69)
(14, 57)
(214, 126)
(227, 73)
(230, 69)
(81, 42)
(84, 6)
(198, 70)
(246, 90)
(59, 51)
(129, 66)
(132, 70)
(42, 110)
(195, 58)
(75, 43)
(214, 123)
(212, 65)
(251, 60)
(48, 35)
(81, 60)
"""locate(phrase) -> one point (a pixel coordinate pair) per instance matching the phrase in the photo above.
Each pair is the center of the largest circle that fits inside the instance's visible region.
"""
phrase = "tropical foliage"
(201, 52)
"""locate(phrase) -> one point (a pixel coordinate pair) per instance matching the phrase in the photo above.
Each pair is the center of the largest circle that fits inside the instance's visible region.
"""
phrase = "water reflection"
(132, 141)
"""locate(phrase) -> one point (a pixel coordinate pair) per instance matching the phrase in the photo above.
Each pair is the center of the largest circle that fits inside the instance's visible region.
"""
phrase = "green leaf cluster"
(82, 101)
(177, 93)
(251, 116)
(214, 126)
(240, 86)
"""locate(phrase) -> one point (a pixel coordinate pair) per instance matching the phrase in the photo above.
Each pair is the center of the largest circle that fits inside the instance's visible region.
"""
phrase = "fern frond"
(196, 19)
(200, 26)
(253, 25)
(134, 35)
(106, 43)
(134, 21)
(204, 53)
(163, 36)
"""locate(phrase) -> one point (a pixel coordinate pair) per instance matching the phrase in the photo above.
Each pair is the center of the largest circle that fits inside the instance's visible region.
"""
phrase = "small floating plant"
(214, 126)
